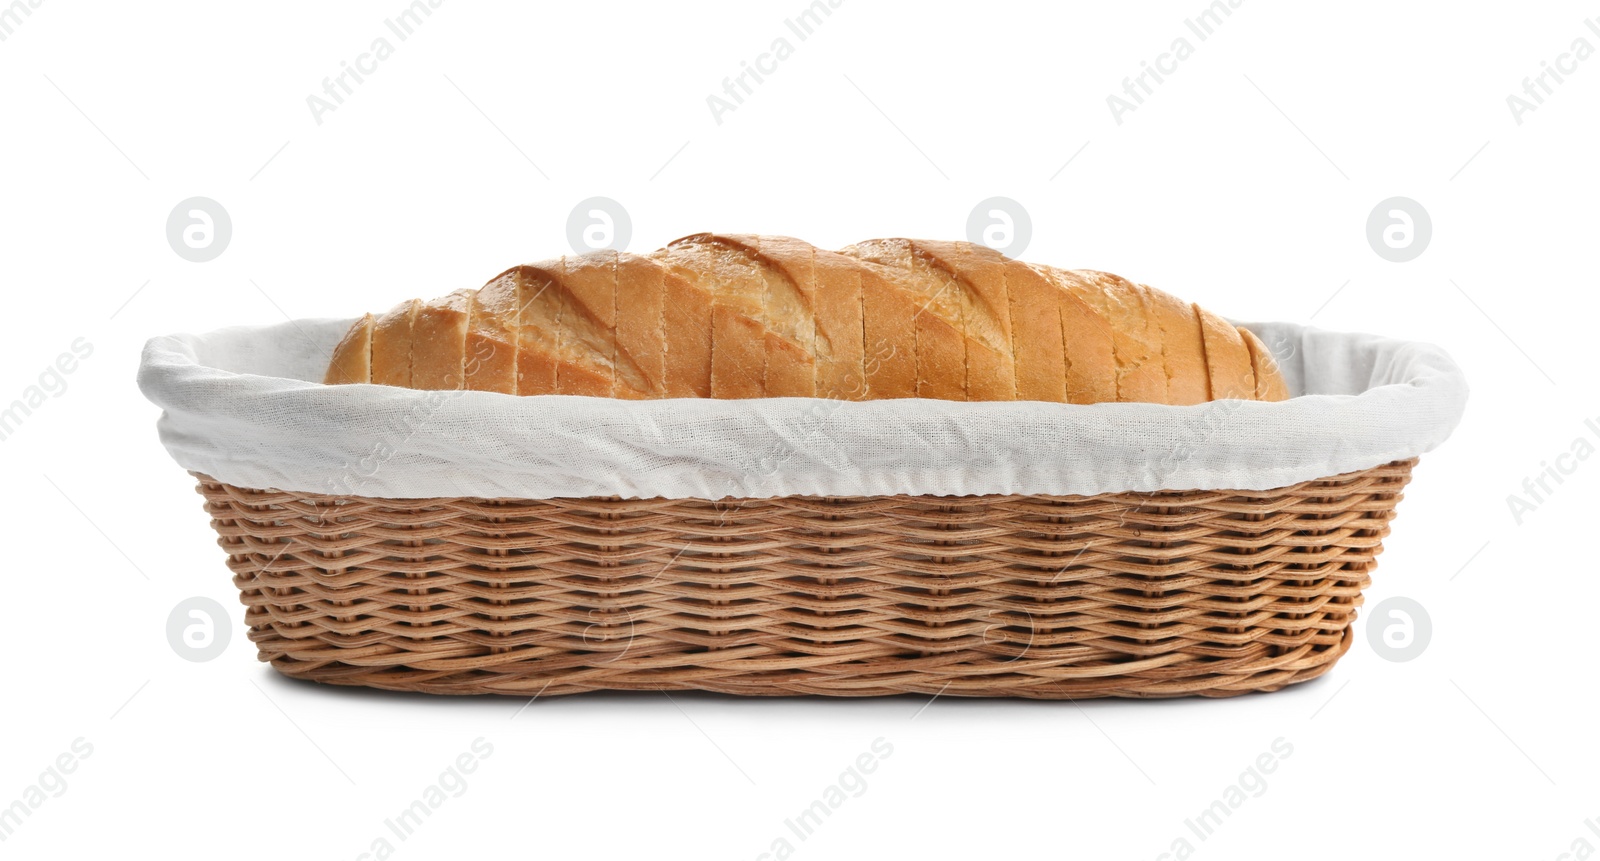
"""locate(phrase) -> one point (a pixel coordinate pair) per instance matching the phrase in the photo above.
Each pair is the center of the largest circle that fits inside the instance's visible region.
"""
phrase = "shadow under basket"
(1173, 593)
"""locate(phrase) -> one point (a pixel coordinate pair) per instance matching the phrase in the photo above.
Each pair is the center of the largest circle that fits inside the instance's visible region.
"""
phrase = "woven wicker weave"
(1212, 593)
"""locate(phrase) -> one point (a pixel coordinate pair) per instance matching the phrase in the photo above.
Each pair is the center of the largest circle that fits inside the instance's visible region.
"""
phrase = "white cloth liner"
(244, 405)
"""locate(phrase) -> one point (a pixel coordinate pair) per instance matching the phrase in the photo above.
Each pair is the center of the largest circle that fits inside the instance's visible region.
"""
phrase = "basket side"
(1210, 593)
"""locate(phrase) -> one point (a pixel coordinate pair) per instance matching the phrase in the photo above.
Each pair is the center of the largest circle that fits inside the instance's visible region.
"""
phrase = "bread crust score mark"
(743, 315)
(1194, 311)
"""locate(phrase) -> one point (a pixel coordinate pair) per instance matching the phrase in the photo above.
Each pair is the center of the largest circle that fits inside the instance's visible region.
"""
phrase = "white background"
(1243, 183)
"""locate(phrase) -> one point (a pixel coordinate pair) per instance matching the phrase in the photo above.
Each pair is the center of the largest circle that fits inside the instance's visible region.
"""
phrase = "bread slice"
(588, 341)
(1036, 334)
(940, 369)
(888, 333)
(1270, 385)
(641, 316)
(786, 305)
(1090, 352)
(686, 336)
(1141, 372)
(439, 342)
(737, 290)
(792, 355)
(352, 357)
(1182, 348)
(490, 363)
(979, 277)
(1125, 349)
(391, 345)
(538, 328)
(941, 352)
(1227, 358)
(840, 330)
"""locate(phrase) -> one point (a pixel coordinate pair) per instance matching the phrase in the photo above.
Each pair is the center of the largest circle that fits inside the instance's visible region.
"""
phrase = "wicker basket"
(1210, 593)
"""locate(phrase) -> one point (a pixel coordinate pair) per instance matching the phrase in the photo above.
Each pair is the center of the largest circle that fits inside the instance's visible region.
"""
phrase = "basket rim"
(1169, 496)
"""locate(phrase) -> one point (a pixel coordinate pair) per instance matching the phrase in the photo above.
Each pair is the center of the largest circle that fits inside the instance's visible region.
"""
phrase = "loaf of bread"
(744, 316)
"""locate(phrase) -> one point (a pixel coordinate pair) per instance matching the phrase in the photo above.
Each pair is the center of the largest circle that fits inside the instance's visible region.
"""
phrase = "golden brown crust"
(686, 339)
(937, 357)
(840, 330)
(1087, 340)
(641, 314)
(891, 308)
(889, 336)
(1090, 349)
(1270, 385)
(490, 361)
(391, 345)
(976, 277)
(786, 313)
(352, 357)
(1100, 307)
(791, 297)
(1136, 340)
(587, 331)
(1227, 358)
(1039, 348)
(744, 316)
(1182, 348)
(439, 342)
(736, 288)
(538, 328)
